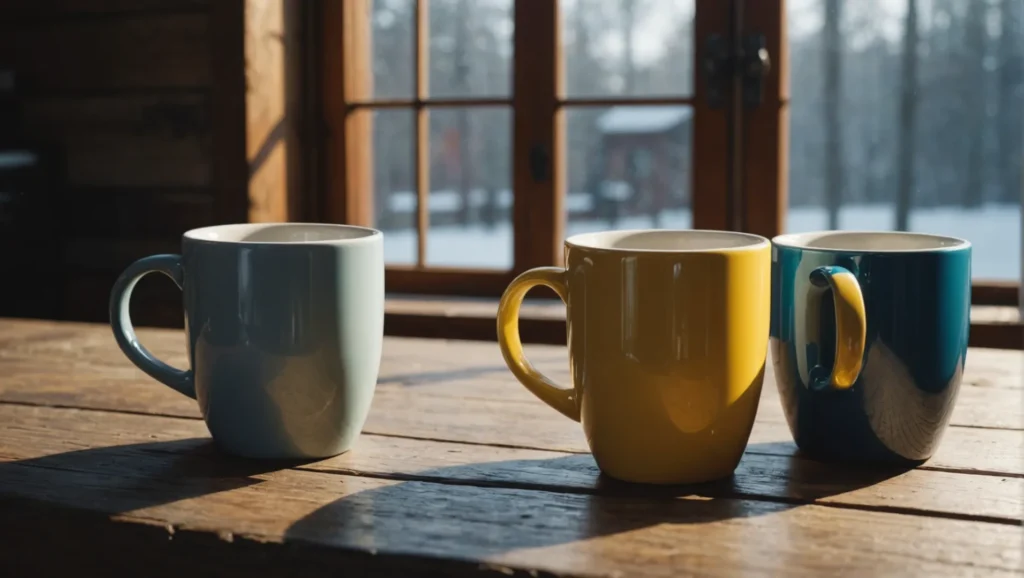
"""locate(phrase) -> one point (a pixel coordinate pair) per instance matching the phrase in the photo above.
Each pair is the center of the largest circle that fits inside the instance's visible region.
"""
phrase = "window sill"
(543, 321)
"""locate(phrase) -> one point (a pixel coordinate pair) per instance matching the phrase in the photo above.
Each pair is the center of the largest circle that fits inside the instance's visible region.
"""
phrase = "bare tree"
(1009, 98)
(832, 102)
(392, 78)
(627, 10)
(585, 74)
(461, 84)
(907, 117)
(974, 100)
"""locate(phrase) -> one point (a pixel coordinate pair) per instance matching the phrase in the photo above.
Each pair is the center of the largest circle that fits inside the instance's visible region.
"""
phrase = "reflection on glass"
(391, 30)
(470, 48)
(628, 47)
(907, 115)
(629, 167)
(470, 188)
(394, 184)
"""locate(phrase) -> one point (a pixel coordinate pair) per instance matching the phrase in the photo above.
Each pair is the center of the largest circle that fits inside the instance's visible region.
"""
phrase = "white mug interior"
(667, 241)
(281, 233)
(870, 241)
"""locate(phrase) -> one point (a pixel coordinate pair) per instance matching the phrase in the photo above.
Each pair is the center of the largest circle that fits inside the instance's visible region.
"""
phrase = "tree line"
(914, 104)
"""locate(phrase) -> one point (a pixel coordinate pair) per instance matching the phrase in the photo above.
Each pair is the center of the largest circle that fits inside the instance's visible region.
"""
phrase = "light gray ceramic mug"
(284, 325)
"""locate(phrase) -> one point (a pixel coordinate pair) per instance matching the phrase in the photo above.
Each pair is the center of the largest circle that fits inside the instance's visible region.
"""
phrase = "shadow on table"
(487, 509)
(132, 476)
(440, 375)
(473, 510)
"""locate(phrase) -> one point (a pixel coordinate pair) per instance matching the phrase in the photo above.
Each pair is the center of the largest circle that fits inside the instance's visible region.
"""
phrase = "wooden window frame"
(740, 175)
(538, 104)
(764, 163)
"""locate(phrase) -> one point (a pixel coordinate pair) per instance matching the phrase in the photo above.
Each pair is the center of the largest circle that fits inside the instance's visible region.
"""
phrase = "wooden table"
(461, 472)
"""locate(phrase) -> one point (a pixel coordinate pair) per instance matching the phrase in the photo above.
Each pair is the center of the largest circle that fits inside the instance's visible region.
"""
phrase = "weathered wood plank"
(483, 375)
(27, 431)
(113, 255)
(226, 57)
(127, 141)
(84, 368)
(273, 46)
(155, 301)
(990, 397)
(993, 327)
(422, 415)
(130, 212)
(92, 266)
(157, 477)
(411, 362)
(153, 51)
(49, 9)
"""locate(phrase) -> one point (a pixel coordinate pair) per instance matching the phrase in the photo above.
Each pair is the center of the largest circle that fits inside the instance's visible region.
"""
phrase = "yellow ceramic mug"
(668, 337)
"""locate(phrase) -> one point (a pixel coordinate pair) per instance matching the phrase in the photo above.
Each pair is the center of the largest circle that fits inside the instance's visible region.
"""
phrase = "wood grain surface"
(155, 52)
(461, 472)
(180, 482)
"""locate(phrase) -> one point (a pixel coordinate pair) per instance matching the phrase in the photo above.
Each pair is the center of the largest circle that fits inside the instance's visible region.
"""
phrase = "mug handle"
(561, 398)
(851, 326)
(124, 333)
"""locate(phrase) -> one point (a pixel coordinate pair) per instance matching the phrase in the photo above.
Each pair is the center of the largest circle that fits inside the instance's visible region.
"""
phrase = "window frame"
(740, 169)
(765, 151)
(538, 104)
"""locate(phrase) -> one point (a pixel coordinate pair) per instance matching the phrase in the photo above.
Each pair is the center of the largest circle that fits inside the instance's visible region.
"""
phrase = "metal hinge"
(540, 163)
(721, 65)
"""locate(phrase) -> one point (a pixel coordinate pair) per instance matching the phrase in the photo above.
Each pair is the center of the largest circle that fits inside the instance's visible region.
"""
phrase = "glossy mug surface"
(869, 339)
(667, 334)
(284, 327)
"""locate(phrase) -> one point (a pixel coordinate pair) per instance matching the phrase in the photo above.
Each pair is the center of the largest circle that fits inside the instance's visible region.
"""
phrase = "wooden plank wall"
(162, 127)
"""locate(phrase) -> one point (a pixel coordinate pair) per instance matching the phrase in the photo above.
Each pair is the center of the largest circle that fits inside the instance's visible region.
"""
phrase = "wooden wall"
(147, 100)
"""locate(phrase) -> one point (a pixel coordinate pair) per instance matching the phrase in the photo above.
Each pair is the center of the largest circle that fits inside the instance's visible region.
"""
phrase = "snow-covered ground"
(994, 230)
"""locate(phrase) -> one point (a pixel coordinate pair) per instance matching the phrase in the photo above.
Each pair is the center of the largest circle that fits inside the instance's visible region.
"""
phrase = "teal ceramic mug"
(869, 338)
(284, 326)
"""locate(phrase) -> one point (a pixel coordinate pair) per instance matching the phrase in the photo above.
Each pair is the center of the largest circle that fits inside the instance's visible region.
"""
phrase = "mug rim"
(369, 234)
(801, 240)
(756, 242)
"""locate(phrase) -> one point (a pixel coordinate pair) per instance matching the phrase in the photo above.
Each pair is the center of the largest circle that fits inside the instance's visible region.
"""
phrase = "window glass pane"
(629, 167)
(470, 188)
(628, 47)
(470, 48)
(909, 120)
(394, 184)
(392, 25)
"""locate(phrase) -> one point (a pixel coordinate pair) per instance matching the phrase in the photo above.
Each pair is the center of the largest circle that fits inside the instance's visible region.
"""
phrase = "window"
(901, 115)
(501, 126)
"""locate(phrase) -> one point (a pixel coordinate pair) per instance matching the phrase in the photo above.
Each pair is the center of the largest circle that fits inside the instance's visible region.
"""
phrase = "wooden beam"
(426, 101)
(997, 335)
(1006, 293)
(538, 136)
(146, 52)
(443, 281)
(128, 140)
(273, 61)
(67, 9)
(710, 143)
(631, 101)
(765, 148)
(230, 171)
(347, 78)
(421, 131)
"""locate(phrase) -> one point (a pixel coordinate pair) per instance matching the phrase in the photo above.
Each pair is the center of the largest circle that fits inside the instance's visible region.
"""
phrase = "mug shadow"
(477, 509)
(490, 509)
(804, 479)
(129, 477)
